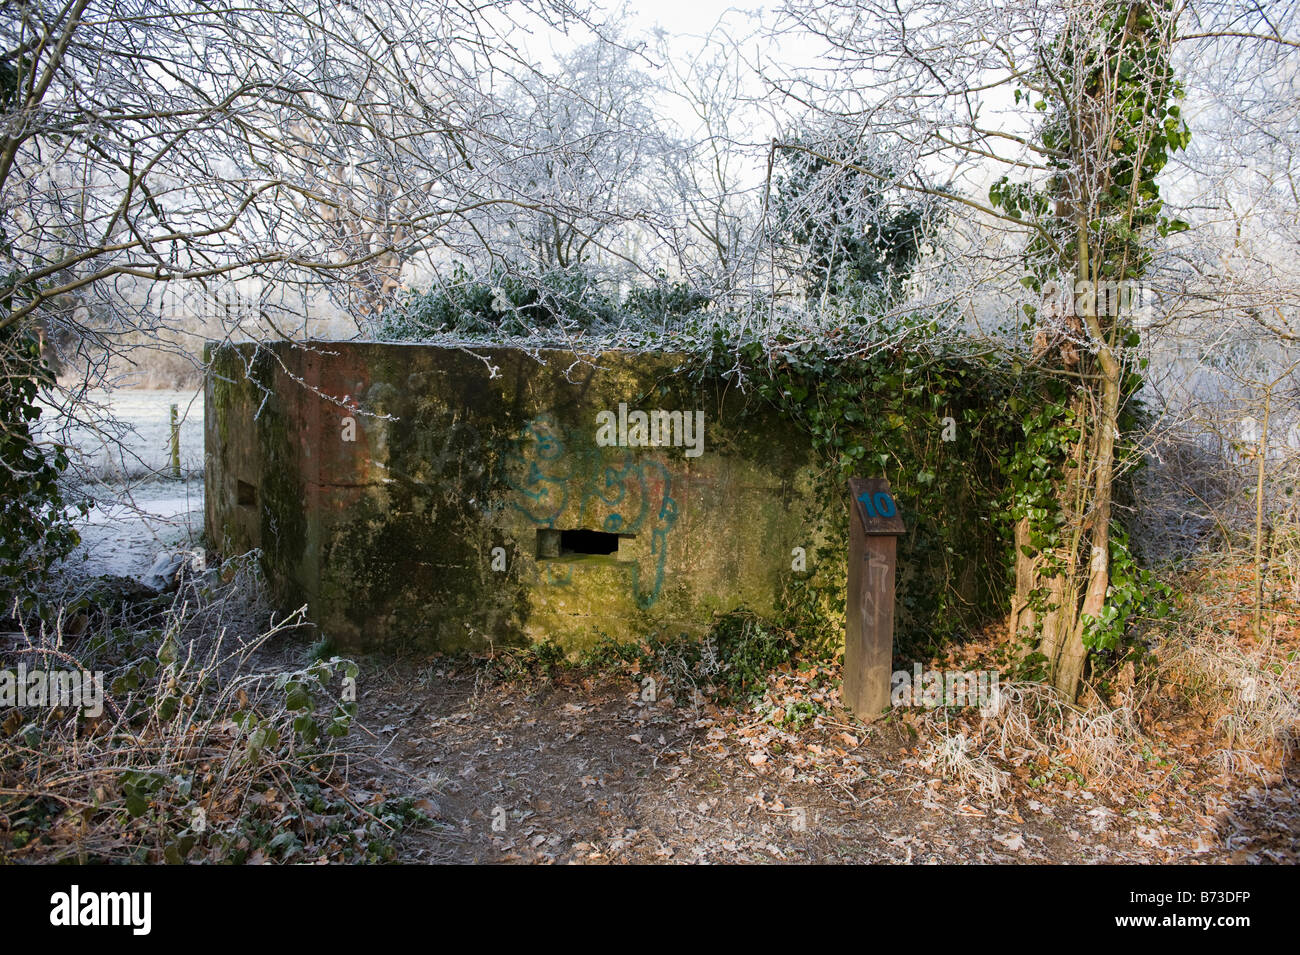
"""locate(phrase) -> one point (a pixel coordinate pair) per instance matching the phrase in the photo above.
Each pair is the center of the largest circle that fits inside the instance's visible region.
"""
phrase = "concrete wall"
(387, 485)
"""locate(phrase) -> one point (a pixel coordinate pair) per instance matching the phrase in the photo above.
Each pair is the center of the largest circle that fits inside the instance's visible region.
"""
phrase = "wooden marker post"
(874, 527)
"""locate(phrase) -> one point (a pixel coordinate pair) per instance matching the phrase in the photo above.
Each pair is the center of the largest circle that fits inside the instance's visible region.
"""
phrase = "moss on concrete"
(393, 537)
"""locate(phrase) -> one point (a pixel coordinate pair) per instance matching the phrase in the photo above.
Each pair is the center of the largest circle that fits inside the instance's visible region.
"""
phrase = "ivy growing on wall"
(938, 423)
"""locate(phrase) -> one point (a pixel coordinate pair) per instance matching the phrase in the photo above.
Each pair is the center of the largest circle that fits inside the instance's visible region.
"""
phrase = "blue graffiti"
(545, 493)
(546, 474)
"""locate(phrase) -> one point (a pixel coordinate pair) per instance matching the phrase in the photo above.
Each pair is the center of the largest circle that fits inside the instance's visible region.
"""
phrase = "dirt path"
(580, 770)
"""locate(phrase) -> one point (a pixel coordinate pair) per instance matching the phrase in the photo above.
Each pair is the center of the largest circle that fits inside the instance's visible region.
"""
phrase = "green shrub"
(35, 523)
(510, 303)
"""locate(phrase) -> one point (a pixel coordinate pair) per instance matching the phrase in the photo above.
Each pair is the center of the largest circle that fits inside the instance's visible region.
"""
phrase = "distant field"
(121, 442)
(126, 434)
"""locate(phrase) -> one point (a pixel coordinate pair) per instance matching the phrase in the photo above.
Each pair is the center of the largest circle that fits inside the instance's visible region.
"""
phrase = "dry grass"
(962, 760)
(1252, 697)
(1102, 743)
(1032, 726)
(203, 750)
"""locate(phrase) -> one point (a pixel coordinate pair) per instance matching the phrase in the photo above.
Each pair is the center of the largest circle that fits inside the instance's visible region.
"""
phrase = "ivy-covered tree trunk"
(1114, 120)
(1051, 572)
(1078, 592)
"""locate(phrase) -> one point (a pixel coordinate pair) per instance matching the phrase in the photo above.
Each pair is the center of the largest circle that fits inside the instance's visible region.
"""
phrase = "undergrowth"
(201, 752)
(729, 665)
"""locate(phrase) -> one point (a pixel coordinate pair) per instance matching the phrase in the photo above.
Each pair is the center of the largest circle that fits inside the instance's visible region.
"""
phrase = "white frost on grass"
(129, 526)
(126, 434)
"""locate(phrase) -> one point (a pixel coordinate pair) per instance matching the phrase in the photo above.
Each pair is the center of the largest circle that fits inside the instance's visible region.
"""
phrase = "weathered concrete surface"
(387, 485)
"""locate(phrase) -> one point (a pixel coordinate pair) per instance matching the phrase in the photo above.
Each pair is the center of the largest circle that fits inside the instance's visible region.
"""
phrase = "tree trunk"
(1075, 578)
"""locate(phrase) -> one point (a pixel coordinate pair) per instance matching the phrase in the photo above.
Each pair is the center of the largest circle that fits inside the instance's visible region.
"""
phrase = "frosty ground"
(513, 758)
(138, 512)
